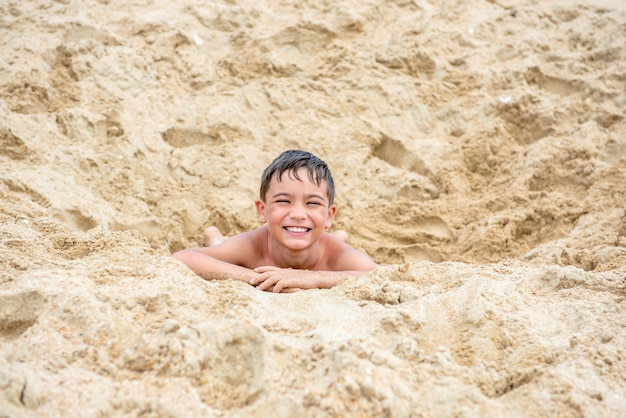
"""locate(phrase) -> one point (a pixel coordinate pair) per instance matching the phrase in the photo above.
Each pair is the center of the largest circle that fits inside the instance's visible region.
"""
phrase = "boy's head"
(293, 160)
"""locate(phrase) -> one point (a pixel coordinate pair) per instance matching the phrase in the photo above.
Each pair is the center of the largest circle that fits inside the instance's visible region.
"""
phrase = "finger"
(277, 287)
(283, 284)
(265, 269)
(268, 282)
(271, 289)
(259, 278)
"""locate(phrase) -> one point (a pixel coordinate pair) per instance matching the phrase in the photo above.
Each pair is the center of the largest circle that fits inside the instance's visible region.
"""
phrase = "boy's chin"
(297, 243)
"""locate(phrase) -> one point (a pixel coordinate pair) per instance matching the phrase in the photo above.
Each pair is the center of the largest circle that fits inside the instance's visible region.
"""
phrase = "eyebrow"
(309, 196)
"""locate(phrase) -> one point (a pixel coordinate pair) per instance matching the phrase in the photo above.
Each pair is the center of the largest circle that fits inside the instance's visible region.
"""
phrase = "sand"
(479, 153)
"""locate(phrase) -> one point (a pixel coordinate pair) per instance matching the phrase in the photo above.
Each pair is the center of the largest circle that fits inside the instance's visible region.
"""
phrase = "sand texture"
(479, 154)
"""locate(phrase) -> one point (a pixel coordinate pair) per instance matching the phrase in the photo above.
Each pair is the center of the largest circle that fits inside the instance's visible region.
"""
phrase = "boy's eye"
(282, 201)
(314, 203)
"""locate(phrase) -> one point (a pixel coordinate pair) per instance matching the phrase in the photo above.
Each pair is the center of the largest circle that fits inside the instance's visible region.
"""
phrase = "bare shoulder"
(342, 257)
(241, 249)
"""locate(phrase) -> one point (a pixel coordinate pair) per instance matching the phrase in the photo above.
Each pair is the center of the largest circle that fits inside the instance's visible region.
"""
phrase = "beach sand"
(479, 156)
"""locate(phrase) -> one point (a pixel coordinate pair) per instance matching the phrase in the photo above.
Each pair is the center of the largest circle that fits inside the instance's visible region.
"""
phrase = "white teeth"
(296, 229)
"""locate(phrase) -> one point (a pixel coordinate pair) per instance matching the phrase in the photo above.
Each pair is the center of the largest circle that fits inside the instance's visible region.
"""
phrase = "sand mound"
(479, 152)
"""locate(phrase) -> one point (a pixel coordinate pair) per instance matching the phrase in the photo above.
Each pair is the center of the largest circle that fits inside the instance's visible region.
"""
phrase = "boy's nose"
(297, 212)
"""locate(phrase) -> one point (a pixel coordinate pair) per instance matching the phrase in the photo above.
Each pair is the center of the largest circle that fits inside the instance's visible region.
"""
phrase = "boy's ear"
(260, 209)
(331, 214)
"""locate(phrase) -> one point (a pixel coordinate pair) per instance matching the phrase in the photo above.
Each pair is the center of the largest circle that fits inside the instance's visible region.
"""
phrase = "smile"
(296, 229)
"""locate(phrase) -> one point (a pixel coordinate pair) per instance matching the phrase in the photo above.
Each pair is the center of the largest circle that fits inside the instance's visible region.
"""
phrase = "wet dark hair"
(292, 161)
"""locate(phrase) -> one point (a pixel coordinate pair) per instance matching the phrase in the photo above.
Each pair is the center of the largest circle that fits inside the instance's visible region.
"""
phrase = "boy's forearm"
(284, 279)
(210, 268)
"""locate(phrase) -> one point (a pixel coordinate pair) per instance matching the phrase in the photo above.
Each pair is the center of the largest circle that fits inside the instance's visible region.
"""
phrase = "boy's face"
(297, 211)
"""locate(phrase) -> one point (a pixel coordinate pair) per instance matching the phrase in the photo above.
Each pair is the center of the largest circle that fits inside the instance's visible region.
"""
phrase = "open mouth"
(296, 229)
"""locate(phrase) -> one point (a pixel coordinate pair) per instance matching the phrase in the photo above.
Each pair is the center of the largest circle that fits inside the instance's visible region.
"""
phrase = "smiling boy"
(292, 251)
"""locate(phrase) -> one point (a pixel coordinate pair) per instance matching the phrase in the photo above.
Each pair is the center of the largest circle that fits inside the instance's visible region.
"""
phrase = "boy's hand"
(277, 279)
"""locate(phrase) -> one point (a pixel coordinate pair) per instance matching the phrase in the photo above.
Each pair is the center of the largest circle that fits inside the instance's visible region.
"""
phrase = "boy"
(293, 251)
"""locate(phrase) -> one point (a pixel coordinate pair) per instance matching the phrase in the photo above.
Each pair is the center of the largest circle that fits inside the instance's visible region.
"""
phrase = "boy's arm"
(350, 263)
(277, 279)
(220, 262)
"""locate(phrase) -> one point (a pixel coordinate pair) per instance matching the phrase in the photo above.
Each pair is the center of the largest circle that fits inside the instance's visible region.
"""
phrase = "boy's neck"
(299, 259)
